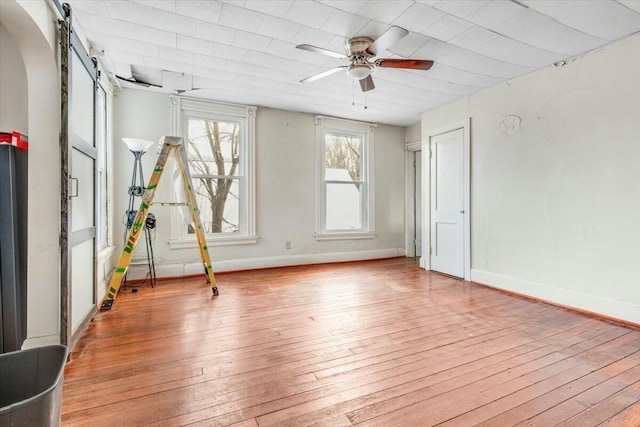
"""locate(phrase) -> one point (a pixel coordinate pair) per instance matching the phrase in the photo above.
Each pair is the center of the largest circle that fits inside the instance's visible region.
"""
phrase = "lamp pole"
(137, 188)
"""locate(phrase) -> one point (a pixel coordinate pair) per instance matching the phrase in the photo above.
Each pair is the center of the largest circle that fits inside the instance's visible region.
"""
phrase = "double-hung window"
(345, 179)
(219, 140)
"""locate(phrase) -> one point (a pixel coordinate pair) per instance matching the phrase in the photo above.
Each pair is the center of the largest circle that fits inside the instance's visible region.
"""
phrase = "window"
(219, 142)
(213, 154)
(345, 185)
(102, 146)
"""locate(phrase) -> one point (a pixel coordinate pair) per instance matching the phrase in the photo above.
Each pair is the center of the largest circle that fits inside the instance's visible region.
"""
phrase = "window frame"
(104, 226)
(330, 125)
(183, 109)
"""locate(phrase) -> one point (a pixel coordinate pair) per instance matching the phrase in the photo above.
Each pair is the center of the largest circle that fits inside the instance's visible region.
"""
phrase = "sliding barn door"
(78, 166)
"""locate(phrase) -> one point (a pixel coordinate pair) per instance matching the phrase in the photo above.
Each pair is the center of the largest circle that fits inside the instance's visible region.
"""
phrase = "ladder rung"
(169, 204)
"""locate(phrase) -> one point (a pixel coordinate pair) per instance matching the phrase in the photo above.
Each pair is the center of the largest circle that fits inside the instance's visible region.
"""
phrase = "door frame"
(410, 149)
(427, 134)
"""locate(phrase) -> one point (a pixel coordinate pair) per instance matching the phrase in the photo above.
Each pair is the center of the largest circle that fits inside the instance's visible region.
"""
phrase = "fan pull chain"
(353, 92)
(365, 100)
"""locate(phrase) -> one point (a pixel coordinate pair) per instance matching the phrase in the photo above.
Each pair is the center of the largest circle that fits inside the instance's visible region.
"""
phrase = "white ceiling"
(244, 51)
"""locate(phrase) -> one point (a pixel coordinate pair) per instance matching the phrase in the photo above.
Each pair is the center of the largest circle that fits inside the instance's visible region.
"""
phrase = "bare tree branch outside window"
(214, 160)
(343, 152)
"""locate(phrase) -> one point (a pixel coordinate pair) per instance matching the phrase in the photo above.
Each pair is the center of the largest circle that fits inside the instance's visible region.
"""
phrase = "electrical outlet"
(287, 245)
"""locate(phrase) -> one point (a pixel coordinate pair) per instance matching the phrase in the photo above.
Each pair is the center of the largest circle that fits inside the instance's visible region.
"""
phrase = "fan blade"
(322, 51)
(323, 74)
(389, 37)
(414, 64)
(366, 84)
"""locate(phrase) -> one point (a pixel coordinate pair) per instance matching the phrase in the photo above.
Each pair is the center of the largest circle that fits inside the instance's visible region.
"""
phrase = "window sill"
(345, 236)
(218, 241)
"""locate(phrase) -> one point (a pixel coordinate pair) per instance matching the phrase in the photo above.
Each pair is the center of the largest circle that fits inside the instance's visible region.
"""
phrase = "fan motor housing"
(356, 47)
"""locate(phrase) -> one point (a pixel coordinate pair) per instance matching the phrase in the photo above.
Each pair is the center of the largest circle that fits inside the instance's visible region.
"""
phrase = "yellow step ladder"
(169, 144)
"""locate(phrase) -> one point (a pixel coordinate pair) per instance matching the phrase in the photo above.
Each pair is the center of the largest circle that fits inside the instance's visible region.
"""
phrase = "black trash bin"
(31, 386)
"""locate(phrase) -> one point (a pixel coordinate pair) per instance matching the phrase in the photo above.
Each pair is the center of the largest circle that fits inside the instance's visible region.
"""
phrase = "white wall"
(13, 86)
(285, 179)
(413, 133)
(33, 28)
(555, 202)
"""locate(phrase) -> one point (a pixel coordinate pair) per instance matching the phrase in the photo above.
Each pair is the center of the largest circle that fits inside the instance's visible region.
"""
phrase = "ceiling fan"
(361, 51)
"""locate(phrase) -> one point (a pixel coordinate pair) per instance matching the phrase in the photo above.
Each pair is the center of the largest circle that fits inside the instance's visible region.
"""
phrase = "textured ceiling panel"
(344, 24)
(277, 8)
(166, 5)
(495, 13)
(574, 42)
(385, 11)
(278, 28)
(214, 32)
(523, 23)
(460, 8)
(418, 17)
(447, 28)
(605, 19)
(631, 4)
(251, 40)
(351, 6)
(175, 55)
(240, 18)
(204, 10)
(192, 44)
(245, 50)
(408, 45)
(309, 13)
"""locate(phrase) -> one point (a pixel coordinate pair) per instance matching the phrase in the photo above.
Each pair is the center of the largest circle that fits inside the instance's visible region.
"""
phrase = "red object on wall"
(16, 139)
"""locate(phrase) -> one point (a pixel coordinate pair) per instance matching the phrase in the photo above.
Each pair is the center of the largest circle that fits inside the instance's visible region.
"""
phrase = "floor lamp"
(138, 147)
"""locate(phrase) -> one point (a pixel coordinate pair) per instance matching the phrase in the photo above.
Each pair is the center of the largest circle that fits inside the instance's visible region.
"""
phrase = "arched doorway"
(33, 27)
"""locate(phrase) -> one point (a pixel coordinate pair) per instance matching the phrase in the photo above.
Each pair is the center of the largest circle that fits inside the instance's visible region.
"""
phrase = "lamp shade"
(359, 71)
(135, 144)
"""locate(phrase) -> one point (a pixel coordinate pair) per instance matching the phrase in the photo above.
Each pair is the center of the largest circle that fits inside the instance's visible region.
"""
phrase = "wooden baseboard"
(243, 270)
(593, 314)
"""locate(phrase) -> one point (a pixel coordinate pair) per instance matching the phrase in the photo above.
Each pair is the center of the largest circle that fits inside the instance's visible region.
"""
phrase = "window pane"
(81, 102)
(101, 128)
(218, 201)
(213, 147)
(342, 157)
(344, 211)
(102, 220)
(101, 145)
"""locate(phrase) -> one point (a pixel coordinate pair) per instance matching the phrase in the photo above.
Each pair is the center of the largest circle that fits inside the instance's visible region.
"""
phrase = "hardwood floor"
(378, 343)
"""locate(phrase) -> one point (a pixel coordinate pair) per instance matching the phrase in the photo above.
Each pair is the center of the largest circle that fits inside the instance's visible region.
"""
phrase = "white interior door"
(418, 202)
(447, 203)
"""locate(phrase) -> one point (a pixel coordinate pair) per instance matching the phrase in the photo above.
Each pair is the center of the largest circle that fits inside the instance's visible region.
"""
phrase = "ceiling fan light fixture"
(359, 71)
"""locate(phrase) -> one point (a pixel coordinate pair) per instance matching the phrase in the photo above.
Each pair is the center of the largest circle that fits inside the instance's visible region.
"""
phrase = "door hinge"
(430, 250)
(430, 153)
